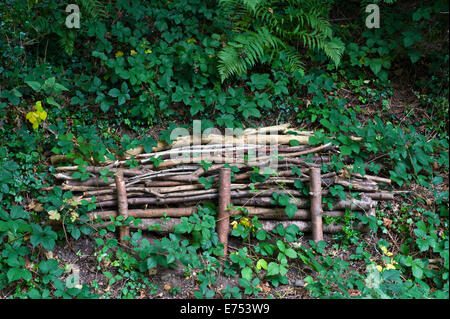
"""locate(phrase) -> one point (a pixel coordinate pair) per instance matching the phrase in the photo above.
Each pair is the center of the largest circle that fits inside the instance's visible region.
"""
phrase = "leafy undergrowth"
(136, 70)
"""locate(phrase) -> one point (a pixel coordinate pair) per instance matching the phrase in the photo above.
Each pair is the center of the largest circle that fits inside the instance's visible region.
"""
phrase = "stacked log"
(172, 180)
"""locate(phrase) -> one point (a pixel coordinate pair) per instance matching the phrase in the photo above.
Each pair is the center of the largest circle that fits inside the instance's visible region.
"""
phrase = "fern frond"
(92, 8)
(244, 52)
(293, 59)
(334, 49)
(290, 22)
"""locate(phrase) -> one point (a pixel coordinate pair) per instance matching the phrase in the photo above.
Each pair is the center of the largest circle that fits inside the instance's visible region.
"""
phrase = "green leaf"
(47, 266)
(345, 150)
(18, 212)
(36, 86)
(34, 294)
(114, 92)
(14, 274)
(414, 55)
(375, 65)
(281, 246)
(196, 108)
(259, 80)
(291, 209)
(247, 273)
(50, 100)
(273, 269)
(151, 263)
(291, 253)
(45, 237)
(261, 264)
(417, 268)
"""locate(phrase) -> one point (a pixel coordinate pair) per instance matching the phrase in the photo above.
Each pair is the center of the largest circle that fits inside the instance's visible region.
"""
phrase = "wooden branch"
(242, 140)
(368, 186)
(267, 201)
(380, 195)
(261, 212)
(373, 178)
(93, 181)
(162, 183)
(223, 218)
(122, 204)
(146, 213)
(305, 152)
(166, 226)
(267, 129)
(316, 204)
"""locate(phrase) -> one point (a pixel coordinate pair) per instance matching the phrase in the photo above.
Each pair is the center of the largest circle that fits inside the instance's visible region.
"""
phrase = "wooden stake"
(122, 203)
(223, 222)
(316, 204)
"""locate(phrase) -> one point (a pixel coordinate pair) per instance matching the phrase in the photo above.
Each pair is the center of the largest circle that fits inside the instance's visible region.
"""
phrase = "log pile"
(172, 180)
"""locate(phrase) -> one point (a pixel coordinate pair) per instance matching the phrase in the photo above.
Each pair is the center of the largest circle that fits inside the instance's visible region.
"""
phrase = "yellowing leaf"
(390, 266)
(244, 221)
(54, 215)
(73, 216)
(37, 116)
(261, 264)
(133, 52)
(43, 115)
(119, 53)
(191, 40)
